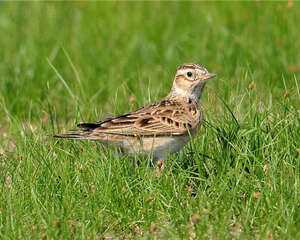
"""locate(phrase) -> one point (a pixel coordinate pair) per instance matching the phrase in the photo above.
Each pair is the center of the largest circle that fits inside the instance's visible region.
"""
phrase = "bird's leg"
(160, 164)
(158, 167)
(133, 163)
(118, 152)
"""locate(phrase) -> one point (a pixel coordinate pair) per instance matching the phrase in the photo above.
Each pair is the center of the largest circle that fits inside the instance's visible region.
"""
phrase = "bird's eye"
(189, 74)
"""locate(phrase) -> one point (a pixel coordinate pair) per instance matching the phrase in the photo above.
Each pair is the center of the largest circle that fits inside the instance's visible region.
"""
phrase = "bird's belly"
(159, 147)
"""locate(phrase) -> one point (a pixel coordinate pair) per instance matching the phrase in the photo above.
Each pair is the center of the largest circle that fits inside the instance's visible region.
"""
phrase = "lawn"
(62, 63)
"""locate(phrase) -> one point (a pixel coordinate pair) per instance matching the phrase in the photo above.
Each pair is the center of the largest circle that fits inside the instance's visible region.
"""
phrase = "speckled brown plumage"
(161, 128)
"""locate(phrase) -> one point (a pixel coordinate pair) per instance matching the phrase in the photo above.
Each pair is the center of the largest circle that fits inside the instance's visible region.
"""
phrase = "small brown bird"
(159, 129)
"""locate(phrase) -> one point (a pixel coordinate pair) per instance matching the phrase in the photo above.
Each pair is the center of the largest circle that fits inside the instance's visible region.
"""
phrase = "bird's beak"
(210, 75)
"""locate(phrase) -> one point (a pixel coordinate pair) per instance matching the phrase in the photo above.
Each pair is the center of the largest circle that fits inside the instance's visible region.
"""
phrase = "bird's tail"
(85, 134)
(77, 136)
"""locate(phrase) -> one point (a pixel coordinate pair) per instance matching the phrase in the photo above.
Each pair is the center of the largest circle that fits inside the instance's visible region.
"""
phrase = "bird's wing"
(162, 118)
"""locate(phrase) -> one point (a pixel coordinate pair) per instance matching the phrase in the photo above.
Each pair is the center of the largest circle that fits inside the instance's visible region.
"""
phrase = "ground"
(62, 63)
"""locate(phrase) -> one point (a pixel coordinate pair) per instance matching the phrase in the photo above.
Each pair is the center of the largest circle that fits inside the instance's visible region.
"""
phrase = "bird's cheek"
(199, 86)
(197, 83)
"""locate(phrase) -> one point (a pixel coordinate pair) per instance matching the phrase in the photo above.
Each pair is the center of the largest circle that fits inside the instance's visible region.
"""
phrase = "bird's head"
(189, 81)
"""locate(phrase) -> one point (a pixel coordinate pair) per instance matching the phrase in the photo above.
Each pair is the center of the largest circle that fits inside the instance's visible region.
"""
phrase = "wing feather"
(162, 118)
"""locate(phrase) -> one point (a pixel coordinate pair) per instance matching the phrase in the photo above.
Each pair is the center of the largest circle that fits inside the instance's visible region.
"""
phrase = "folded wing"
(163, 118)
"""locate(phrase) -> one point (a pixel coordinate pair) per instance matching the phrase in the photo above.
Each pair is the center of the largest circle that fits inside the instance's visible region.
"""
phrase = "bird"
(157, 129)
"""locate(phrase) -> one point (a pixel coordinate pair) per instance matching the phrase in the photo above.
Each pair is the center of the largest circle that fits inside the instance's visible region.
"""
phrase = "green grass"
(61, 63)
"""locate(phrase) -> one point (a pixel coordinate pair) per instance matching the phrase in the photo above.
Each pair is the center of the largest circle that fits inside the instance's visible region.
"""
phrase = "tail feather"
(71, 136)
(83, 134)
(88, 126)
(86, 136)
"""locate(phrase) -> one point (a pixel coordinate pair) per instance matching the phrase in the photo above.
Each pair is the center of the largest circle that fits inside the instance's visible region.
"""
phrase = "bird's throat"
(196, 92)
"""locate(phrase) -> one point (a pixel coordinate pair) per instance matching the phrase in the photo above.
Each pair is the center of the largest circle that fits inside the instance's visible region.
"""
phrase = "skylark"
(159, 129)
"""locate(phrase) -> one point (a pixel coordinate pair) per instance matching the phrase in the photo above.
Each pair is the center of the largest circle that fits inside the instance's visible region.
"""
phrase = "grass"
(62, 63)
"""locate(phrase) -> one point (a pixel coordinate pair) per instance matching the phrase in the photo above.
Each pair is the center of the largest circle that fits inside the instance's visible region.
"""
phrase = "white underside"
(158, 148)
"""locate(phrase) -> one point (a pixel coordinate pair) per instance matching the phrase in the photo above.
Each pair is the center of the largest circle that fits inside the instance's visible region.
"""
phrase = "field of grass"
(62, 63)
